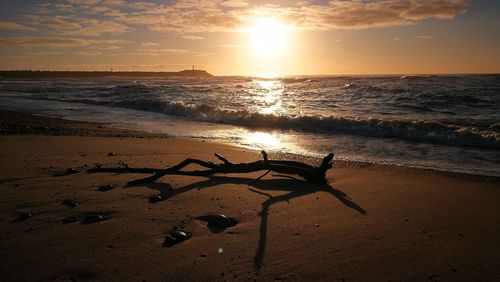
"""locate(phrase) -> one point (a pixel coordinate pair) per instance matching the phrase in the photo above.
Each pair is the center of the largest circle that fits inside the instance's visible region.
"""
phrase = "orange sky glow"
(264, 38)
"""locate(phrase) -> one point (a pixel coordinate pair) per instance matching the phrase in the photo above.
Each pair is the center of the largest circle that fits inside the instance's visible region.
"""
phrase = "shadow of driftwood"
(295, 187)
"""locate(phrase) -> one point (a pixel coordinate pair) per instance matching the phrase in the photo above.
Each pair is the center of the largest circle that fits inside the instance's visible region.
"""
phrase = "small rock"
(70, 219)
(70, 203)
(317, 225)
(104, 188)
(93, 218)
(69, 171)
(156, 198)
(18, 185)
(221, 221)
(110, 154)
(24, 216)
(176, 237)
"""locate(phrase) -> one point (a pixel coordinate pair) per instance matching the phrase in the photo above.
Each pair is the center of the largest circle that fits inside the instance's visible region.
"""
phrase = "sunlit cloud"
(44, 41)
(422, 37)
(149, 44)
(234, 4)
(45, 53)
(150, 53)
(57, 42)
(15, 26)
(203, 54)
(359, 15)
(175, 51)
(230, 15)
(89, 53)
(106, 47)
(233, 46)
(191, 37)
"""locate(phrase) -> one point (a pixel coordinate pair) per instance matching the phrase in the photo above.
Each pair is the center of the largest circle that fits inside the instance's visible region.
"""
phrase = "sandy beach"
(371, 223)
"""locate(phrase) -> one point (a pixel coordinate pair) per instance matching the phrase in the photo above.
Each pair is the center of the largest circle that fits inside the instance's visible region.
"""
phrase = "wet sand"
(371, 223)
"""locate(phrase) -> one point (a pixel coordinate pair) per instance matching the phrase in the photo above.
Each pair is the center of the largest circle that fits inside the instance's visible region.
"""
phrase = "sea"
(441, 122)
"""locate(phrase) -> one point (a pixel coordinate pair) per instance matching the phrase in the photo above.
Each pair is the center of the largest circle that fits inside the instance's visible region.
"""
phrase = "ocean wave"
(417, 130)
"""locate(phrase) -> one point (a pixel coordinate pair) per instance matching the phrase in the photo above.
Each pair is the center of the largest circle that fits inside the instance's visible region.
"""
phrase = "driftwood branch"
(308, 172)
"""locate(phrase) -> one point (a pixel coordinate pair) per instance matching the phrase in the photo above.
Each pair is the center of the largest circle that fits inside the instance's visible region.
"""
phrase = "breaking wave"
(414, 130)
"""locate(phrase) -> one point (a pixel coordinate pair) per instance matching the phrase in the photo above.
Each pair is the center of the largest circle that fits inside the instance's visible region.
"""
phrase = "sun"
(268, 36)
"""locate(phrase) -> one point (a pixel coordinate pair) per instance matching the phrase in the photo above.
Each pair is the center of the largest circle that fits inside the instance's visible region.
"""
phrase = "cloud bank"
(97, 17)
(90, 23)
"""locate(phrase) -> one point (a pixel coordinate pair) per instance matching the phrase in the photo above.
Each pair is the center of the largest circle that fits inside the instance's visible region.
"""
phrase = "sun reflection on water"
(267, 96)
(263, 140)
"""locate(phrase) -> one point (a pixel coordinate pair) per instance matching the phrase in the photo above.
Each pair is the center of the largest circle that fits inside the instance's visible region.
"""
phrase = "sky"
(243, 37)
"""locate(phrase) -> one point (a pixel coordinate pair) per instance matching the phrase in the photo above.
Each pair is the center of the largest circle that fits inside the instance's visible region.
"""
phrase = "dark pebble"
(221, 221)
(156, 198)
(176, 237)
(24, 216)
(93, 218)
(103, 188)
(70, 203)
(70, 219)
(110, 154)
(71, 171)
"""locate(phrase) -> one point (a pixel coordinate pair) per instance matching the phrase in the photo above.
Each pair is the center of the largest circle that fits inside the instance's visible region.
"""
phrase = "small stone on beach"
(70, 219)
(24, 216)
(156, 198)
(110, 154)
(93, 218)
(104, 188)
(70, 203)
(176, 237)
(68, 171)
(221, 221)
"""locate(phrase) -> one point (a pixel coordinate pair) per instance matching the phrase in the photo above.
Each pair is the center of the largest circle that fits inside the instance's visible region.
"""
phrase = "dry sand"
(393, 223)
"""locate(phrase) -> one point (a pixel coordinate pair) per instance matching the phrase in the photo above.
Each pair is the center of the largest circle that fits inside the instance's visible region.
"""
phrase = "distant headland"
(29, 74)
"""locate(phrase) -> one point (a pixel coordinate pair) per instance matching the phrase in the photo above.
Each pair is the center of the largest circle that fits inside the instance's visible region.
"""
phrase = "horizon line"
(255, 75)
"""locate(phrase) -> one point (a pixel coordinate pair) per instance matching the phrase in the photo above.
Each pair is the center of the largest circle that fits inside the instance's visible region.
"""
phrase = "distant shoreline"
(29, 74)
(45, 74)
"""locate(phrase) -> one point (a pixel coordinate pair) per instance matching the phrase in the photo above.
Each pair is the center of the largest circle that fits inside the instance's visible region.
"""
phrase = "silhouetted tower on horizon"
(193, 67)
